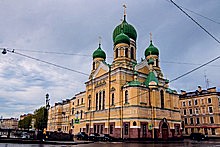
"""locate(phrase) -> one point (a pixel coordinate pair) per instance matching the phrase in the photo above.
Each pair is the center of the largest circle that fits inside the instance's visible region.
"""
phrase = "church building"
(125, 98)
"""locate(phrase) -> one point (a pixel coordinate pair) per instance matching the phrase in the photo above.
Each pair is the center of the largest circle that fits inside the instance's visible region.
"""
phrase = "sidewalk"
(32, 141)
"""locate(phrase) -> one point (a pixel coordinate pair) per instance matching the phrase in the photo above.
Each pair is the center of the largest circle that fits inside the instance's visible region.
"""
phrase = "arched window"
(81, 114)
(209, 100)
(113, 99)
(100, 100)
(132, 53)
(126, 52)
(162, 98)
(116, 53)
(103, 100)
(126, 97)
(96, 103)
(93, 65)
(156, 62)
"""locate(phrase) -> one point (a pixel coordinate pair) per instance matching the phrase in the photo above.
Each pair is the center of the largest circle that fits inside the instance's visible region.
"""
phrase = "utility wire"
(212, 20)
(39, 60)
(203, 30)
(195, 21)
(201, 15)
(195, 69)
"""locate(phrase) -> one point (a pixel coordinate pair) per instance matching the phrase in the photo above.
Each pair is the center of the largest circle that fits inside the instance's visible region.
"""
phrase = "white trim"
(101, 66)
(135, 127)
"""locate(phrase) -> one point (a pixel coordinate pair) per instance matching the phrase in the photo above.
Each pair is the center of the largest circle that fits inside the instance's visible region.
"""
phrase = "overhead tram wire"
(58, 53)
(203, 30)
(195, 22)
(39, 60)
(212, 20)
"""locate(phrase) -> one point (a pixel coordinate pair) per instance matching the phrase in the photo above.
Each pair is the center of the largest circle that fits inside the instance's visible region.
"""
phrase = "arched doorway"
(165, 131)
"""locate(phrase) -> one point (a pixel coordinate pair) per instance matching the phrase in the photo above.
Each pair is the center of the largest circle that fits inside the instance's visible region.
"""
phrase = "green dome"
(151, 78)
(151, 50)
(99, 53)
(122, 38)
(127, 29)
(134, 83)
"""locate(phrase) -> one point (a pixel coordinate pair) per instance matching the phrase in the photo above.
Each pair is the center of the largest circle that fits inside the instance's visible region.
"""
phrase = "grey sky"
(73, 26)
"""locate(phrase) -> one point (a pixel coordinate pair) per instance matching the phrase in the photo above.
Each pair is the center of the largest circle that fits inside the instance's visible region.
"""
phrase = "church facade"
(127, 99)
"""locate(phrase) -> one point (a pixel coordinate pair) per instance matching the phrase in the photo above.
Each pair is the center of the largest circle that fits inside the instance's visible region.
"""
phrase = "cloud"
(74, 26)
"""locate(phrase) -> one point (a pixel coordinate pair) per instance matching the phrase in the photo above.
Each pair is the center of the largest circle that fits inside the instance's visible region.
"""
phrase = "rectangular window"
(185, 119)
(98, 128)
(197, 111)
(87, 128)
(210, 110)
(196, 102)
(78, 102)
(94, 128)
(213, 131)
(126, 129)
(197, 120)
(82, 101)
(184, 111)
(190, 103)
(72, 111)
(111, 129)
(184, 104)
(211, 120)
(190, 111)
(101, 132)
(203, 110)
(186, 131)
(113, 99)
(191, 120)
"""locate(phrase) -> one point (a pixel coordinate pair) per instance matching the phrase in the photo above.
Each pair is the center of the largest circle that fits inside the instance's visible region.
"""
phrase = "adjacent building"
(9, 123)
(200, 111)
(125, 98)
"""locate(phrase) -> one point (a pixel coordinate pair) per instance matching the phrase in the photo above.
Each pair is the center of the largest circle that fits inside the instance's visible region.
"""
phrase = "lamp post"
(47, 108)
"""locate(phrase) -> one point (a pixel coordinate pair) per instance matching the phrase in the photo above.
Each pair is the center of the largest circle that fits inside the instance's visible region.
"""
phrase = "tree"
(25, 123)
(41, 118)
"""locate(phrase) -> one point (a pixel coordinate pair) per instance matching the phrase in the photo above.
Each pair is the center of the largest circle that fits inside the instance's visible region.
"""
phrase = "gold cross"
(100, 40)
(124, 9)
(150, 36)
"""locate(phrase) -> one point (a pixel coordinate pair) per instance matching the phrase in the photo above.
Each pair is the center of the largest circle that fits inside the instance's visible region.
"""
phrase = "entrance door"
(143, 130)
(165, 131)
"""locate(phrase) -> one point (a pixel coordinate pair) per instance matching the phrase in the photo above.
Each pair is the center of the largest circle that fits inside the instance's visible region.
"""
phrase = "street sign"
(150, 126)
(77, 121)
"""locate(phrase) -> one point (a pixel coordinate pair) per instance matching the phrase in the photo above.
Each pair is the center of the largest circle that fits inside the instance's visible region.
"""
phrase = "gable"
(101, 70)
(142, 67)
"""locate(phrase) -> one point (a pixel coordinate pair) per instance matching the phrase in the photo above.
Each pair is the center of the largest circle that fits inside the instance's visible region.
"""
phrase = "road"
(186, 143)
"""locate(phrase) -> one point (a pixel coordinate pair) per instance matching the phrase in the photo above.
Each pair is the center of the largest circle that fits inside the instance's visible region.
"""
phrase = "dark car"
(198, 136)
(82, 136)
(106, 137)
(94, 137)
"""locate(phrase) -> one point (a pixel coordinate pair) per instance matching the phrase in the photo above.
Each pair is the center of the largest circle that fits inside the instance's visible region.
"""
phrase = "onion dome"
(151, 50)
(99, 53)
(128, 29)
(151, 80)
(122, 38)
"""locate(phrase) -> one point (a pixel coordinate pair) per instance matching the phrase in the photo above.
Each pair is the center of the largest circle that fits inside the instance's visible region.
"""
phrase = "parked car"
(198, 136)
(82, 136)
(106, 137)
(94, 137)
